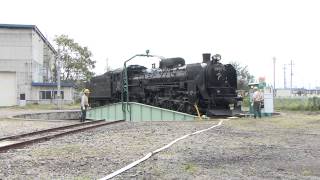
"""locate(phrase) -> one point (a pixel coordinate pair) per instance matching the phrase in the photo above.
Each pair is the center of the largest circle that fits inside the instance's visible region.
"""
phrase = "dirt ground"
(281, 147)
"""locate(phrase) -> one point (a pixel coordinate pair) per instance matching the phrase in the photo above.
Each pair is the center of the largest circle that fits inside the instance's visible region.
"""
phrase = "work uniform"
(257, 99)
(84, 107)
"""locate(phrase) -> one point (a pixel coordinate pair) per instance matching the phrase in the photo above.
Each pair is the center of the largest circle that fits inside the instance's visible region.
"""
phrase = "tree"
(76, 62)
(243, 75)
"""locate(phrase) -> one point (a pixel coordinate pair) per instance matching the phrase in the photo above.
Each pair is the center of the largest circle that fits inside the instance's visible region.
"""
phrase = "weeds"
(307, 172)
(191, 168)
(297, 104)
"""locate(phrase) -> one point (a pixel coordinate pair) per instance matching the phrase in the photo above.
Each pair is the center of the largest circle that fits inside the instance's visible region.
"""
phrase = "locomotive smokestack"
(206, 57)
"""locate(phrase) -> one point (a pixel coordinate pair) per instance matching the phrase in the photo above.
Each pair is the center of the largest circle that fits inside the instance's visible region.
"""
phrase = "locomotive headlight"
(218, 91)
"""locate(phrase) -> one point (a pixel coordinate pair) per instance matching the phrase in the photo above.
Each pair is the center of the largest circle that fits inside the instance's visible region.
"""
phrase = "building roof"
(33, 27)
(52, 84)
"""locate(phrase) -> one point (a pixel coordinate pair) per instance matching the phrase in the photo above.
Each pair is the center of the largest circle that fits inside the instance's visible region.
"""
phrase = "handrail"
(125, 83)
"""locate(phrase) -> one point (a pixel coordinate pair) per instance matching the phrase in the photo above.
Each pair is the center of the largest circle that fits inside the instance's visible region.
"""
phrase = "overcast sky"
(251, 32)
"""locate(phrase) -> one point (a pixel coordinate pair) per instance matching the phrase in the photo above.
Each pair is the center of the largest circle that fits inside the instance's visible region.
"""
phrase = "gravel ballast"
(9, 127)
(284, 147)
(15, 126)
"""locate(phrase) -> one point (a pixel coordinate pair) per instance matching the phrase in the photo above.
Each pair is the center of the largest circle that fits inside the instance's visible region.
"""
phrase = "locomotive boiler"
(209, 86)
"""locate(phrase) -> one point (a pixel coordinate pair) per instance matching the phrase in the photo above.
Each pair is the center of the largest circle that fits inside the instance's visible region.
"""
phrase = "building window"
(55, 94)
(22, 96)
(50, 94)
(45, 95)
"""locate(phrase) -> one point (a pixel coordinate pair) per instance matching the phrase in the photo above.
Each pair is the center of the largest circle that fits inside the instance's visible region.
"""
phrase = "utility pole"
(284, 77)
(291, 74)
(274, 73)
(58, 82)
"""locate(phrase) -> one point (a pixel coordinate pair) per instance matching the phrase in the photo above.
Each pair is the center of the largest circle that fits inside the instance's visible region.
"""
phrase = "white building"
(26, 67)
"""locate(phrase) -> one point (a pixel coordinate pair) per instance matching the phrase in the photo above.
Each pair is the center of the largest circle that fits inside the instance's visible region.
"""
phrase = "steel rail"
(57, 133)
(48, 130)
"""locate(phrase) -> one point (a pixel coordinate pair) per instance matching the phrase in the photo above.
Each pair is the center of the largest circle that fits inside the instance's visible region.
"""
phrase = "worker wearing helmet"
(84, 104)
(257, 100)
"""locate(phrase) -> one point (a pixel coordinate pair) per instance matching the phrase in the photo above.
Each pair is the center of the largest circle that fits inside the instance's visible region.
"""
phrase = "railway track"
(16, 141)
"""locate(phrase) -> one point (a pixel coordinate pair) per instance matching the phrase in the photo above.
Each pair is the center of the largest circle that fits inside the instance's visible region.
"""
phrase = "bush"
(246, 101)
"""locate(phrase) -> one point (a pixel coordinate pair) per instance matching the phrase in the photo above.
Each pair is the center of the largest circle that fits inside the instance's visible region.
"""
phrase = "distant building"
(283, 92)
(297, 92)
(26, 67)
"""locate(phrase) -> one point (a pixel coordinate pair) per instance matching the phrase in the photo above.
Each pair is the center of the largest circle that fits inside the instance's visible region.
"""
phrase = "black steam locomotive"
(209, 86)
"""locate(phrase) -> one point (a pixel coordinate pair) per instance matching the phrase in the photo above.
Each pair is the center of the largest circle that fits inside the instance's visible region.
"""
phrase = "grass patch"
(191, 168)
(287, 120)
(297, 104)
(307, 172)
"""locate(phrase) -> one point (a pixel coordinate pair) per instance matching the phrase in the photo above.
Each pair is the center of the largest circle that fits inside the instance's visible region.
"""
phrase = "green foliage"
(298, 104)
(243, 75)
(76, 62)
(246, 101)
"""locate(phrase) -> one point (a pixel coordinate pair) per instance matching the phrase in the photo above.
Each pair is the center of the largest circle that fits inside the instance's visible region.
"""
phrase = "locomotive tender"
(210, 85)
